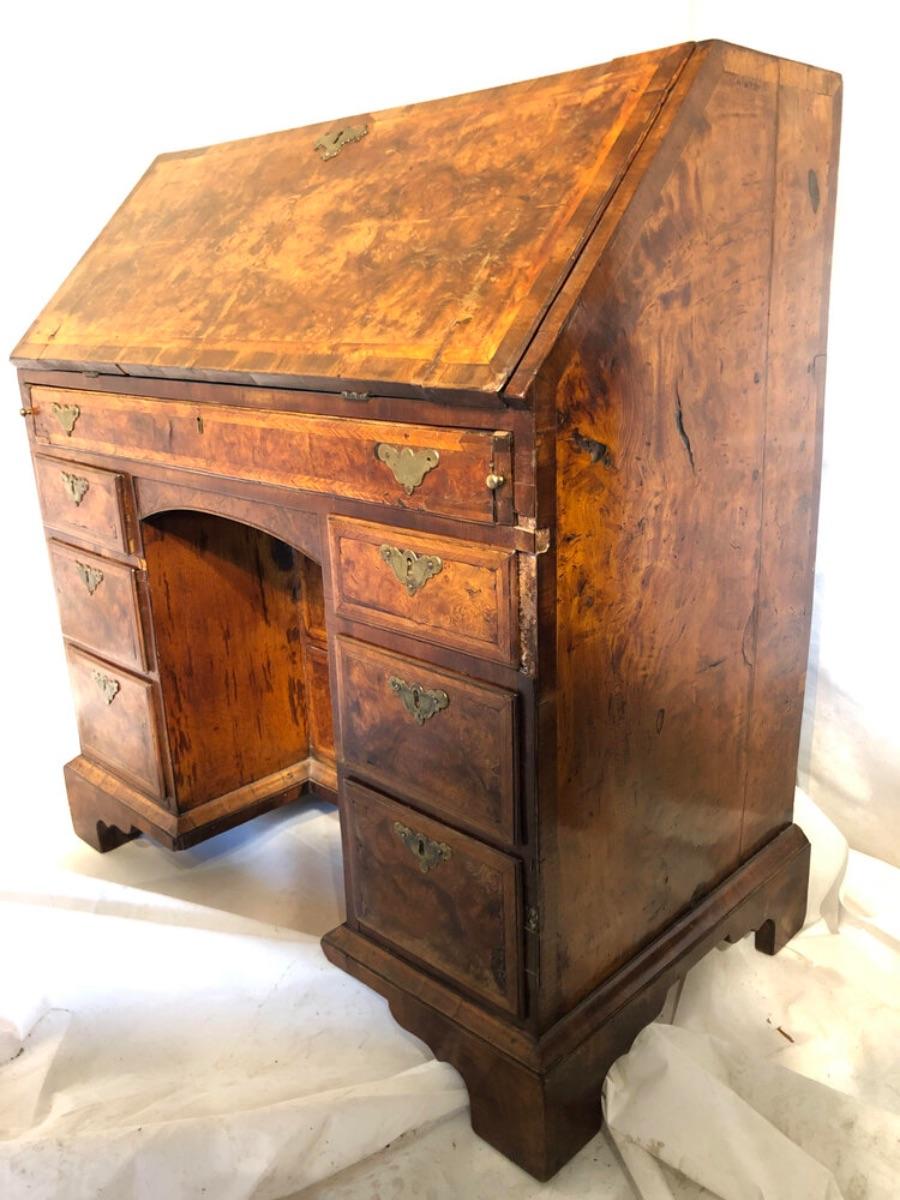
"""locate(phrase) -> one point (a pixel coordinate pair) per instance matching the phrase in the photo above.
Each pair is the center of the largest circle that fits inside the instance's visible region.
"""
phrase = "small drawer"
(98, 605)
(437, 739)
(82, 501)
(438, 895)
(443, 590)
(460, 473)
(117, 721)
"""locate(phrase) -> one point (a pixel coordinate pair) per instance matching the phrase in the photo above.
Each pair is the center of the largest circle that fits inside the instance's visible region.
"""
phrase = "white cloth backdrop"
(162, 1037)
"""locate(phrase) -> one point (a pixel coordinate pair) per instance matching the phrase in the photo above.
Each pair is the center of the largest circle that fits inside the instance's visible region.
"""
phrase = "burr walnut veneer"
(460, 463)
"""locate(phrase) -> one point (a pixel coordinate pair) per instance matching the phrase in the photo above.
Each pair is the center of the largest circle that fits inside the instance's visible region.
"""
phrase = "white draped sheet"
(169, 1028)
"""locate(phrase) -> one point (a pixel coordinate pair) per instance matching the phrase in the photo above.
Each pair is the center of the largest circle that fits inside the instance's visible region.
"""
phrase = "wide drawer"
(98, 605)
(445, 471)
(443, 590)
(117, 721)
(83, 502)
(438, 895)
(437, 739)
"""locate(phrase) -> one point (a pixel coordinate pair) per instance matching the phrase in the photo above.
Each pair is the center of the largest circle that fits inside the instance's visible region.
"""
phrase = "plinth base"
(538, 1099)
(106, 812)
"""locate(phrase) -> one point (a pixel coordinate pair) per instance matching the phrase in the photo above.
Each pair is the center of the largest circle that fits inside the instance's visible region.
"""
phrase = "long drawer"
(458, 473)
(436, 894)
(442, 741)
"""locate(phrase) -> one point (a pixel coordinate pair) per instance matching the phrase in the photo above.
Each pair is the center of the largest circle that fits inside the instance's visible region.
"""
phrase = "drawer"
(446, 471)
(82, 501)
(442, 590)
(440, 896)
(117, 721)
(437, 739)
(98, 605)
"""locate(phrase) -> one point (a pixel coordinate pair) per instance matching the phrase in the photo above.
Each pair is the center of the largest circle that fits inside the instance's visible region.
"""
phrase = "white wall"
(92, 91)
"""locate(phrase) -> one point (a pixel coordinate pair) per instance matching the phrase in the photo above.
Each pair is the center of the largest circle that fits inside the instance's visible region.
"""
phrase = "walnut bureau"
(460, 463)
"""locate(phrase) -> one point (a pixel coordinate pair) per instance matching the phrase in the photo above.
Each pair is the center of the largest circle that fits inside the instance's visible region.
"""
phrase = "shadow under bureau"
(459, 463)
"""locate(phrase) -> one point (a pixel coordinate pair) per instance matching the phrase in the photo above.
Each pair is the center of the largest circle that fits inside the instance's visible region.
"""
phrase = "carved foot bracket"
(98, 819)
(538, 1100)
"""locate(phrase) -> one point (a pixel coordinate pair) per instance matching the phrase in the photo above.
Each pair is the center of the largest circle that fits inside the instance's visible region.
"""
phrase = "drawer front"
(431, 737)
(443, 590)
(82, 501)
(117, 721)
(98, 605)
(446, 471)
(436, 894)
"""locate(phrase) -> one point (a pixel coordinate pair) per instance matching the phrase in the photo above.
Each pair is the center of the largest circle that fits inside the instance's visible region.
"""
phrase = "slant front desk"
(460, 463)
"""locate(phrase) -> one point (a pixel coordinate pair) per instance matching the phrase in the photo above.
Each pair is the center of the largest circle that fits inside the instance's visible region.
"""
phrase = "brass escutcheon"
(67, 415)
(421, 703)
(331, 144)
(109, 687)
(428, 853)
(91, 577)
(408, 464)
(413, 570)
(76, 485)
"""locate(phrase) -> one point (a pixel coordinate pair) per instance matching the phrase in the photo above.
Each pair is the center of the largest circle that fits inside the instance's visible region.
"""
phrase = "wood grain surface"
(467, 605)
(98, 605)
(665, 388)
(97, 516)
(118, 721)
(229, 636)
(461, 917)
(422, 254)
(460, 764)
(336, 456)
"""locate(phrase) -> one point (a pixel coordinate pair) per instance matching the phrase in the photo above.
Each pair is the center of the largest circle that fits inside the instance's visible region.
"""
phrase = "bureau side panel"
(683, 546)
(809, 108)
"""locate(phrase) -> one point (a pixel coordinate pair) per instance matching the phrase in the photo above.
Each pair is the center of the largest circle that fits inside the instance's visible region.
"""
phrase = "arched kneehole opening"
(239, 622)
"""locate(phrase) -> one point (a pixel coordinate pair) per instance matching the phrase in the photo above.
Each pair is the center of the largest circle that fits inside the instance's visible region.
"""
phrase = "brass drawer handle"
(67, 415)
(76, 486)
(109, 687)
(421, 703)
(428, 853)
(413, 570)
(408, 466)
(91, 577)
